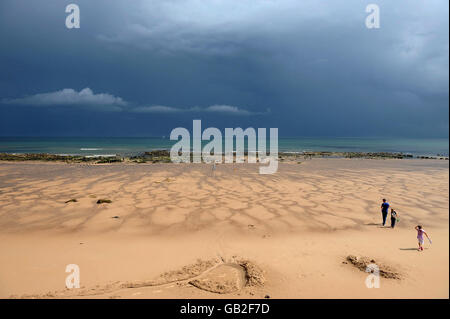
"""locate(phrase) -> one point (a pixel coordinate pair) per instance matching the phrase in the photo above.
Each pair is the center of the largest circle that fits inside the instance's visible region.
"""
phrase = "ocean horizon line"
(282, 137)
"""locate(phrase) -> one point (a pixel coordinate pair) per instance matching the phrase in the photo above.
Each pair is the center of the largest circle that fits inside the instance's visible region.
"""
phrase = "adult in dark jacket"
(384, 210)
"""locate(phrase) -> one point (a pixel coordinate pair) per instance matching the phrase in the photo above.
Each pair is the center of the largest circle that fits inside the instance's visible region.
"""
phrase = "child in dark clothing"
(394, 217)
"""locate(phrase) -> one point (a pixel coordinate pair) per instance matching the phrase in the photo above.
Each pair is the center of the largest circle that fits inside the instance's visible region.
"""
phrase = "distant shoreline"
(163, 156)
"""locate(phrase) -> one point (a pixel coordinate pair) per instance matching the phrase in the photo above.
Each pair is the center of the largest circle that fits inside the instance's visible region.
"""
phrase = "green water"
(136, 145)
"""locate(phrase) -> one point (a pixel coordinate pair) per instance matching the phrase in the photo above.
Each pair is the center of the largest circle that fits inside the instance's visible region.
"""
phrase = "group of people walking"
(394, 219)
(384, 211)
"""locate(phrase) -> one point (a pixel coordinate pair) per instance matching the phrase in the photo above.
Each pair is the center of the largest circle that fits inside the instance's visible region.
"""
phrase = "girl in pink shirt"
(420, 232)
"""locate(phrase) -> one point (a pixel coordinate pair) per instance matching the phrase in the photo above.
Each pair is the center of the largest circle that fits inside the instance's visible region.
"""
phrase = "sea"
(129, 146)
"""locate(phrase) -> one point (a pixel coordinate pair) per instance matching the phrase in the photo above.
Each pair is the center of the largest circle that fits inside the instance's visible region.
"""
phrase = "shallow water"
(136, 145)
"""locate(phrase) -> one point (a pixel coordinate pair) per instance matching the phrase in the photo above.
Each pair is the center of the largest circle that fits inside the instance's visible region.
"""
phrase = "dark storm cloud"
(313, 63)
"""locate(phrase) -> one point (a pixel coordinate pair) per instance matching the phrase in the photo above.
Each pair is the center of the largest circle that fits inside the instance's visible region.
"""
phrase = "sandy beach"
(182, 230)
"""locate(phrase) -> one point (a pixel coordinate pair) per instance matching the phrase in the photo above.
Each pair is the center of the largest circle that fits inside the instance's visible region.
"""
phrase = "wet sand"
(182, 230)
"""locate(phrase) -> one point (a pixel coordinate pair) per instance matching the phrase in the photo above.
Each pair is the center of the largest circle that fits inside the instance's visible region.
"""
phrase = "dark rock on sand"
(101, 201)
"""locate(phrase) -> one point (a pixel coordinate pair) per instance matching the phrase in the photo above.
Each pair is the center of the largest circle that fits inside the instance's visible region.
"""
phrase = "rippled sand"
(296, 226)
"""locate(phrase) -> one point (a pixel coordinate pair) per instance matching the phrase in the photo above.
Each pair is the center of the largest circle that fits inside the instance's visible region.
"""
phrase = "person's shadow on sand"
(378, 224)
(410, 249)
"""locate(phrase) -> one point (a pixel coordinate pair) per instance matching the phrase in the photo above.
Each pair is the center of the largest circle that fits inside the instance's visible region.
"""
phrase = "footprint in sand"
(223, 279)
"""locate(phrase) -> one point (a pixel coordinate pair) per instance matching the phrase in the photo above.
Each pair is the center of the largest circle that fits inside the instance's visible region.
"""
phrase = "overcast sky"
(142, 68)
